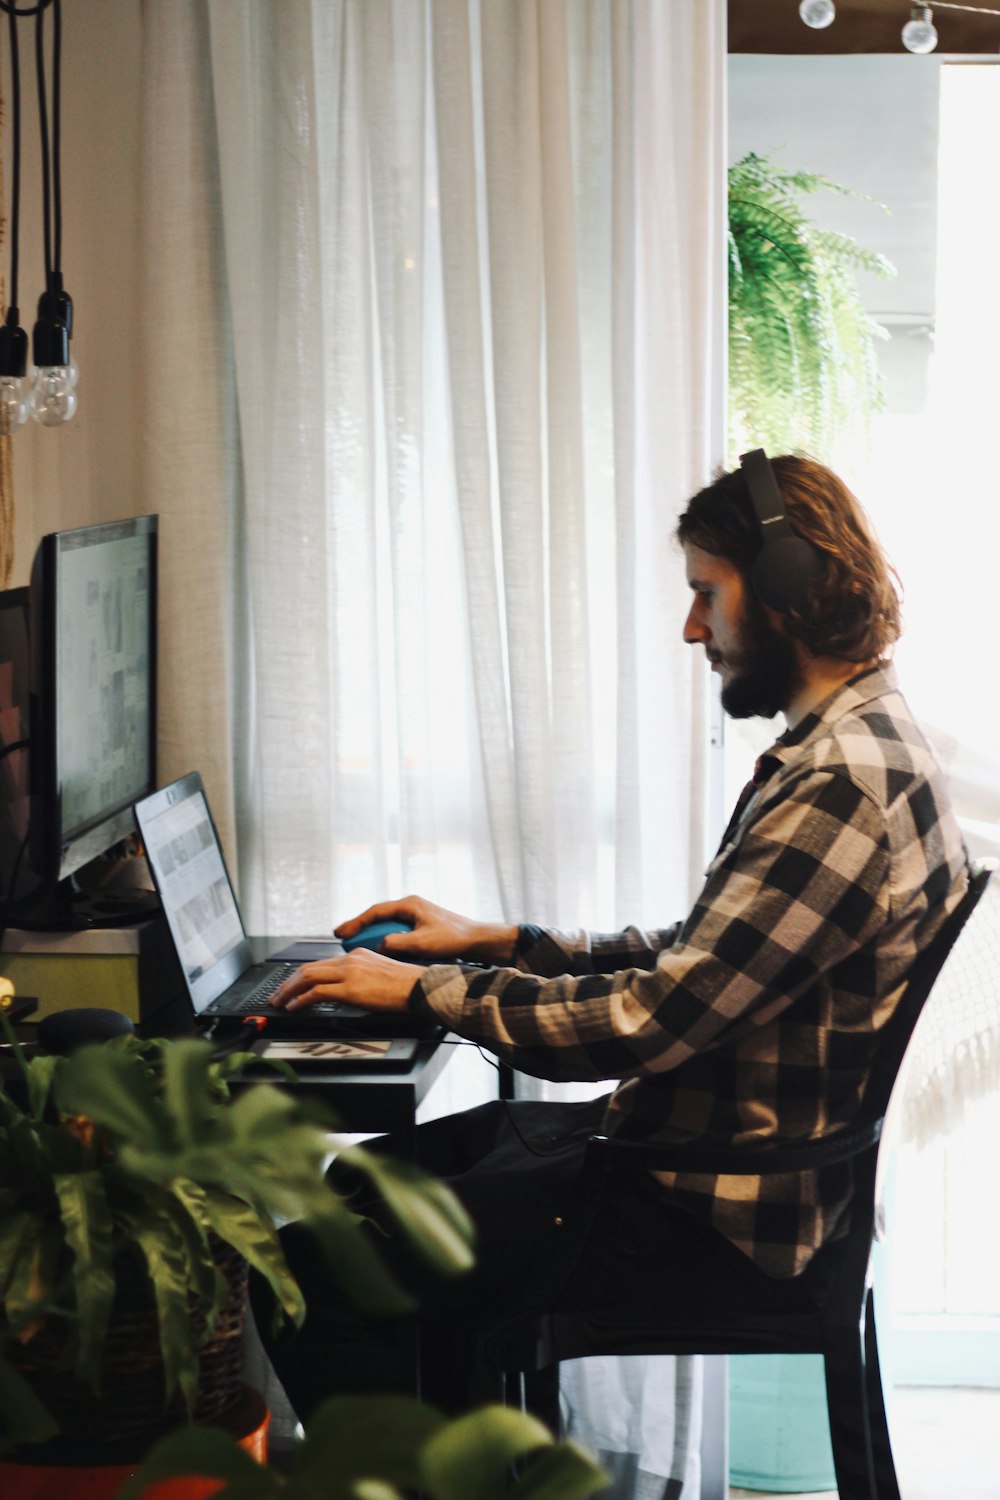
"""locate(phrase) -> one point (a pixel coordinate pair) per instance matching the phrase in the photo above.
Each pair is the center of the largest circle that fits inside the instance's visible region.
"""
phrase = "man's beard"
(766, 674)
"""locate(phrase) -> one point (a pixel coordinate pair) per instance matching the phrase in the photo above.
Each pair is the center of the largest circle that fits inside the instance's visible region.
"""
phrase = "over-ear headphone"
(787, 566)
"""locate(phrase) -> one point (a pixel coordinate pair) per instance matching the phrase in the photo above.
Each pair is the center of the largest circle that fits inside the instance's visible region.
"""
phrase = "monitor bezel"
(56, 853)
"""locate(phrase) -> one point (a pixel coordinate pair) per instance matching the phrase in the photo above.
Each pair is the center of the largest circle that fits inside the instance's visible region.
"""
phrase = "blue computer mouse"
(372, 935)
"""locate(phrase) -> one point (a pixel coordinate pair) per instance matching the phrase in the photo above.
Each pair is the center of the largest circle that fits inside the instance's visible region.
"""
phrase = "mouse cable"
(494, 1063)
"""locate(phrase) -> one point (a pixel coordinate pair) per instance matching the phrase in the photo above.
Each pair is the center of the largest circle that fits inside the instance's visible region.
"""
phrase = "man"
(755, 1018)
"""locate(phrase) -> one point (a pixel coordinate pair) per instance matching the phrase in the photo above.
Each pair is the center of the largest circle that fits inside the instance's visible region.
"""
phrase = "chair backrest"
(851, 1257)
(900, 1027)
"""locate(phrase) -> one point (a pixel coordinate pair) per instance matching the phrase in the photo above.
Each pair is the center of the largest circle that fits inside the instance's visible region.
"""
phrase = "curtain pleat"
(435, 287)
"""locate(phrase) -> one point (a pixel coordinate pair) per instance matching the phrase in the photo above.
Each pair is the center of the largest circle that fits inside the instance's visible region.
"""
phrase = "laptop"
(224, 982)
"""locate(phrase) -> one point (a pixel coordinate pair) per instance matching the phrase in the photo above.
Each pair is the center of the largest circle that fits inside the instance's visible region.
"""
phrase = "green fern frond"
(802, 363)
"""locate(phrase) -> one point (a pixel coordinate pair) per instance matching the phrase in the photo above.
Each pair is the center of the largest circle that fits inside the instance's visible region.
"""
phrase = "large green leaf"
(186, 1091)
(438, 1227)
(18, 1231)
(258, 1243)
(87, 1226)
(209, 1454)
(41, 1074)
(186, 1203)
(473, 1455)
(23, 1418)
(166, 1262)
(357, 1266)
(32, 1286)
(562, 1472)
(352, 1438)
(112, 1088)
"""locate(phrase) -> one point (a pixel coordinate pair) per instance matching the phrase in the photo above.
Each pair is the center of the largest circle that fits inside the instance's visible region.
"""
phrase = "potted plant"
(382, 1448)
(135, 1184)
(802, 348)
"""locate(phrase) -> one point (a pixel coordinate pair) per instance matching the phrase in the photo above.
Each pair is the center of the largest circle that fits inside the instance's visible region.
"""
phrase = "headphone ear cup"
(784, 571)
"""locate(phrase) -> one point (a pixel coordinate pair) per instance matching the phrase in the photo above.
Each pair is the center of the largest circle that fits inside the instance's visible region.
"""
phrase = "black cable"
(57, 134)
(9, 899)
(237, 1040)
(13, 315)
(494, 1062)
(43, 132)
(26, 10)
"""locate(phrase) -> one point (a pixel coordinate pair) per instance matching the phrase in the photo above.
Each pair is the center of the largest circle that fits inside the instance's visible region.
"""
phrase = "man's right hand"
(438, 935)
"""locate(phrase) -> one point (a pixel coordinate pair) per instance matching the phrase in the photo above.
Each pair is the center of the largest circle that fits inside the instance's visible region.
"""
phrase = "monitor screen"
(93, 690)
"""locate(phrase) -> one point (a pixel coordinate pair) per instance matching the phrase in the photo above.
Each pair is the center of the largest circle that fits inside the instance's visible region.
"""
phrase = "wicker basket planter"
(130, 1405)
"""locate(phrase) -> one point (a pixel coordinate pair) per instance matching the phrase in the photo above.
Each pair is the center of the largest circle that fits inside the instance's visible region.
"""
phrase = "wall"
(85, 471)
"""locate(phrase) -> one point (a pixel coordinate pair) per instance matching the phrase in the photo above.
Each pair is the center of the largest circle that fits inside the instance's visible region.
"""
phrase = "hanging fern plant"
(802, 360)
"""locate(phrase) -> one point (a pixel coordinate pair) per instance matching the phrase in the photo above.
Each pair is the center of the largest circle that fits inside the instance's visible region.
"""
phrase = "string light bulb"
(56, 373)
(17, 397)
(818, 13)
(919, 34)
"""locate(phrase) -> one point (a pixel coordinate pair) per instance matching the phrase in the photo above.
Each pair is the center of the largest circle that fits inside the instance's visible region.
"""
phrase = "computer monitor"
(15, 789)
(92, 704)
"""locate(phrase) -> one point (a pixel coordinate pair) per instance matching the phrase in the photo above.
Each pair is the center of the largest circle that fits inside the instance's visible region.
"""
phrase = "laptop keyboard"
(262, 994)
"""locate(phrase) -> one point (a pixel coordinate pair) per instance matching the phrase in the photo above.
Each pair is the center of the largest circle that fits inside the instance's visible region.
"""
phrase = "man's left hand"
(358, 978)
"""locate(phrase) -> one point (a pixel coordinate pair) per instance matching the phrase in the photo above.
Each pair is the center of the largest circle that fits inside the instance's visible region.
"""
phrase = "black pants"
(543, 1241)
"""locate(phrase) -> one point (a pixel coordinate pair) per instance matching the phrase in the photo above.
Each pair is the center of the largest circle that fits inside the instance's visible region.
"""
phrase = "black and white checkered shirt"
(756, 1017)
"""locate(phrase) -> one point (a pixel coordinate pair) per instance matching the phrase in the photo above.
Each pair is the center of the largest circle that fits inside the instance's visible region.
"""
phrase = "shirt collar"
(867, 685)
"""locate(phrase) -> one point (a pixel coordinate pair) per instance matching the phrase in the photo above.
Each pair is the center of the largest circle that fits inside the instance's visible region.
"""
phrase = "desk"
(368, 1101)
(363, 1100)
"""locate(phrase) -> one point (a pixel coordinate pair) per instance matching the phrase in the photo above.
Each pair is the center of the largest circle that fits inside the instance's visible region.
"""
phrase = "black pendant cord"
(24, 10)
(57, 136)
(13, 314)
(43, 132)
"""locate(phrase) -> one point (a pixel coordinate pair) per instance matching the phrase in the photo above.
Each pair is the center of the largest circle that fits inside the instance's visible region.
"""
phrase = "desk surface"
(362, 1099)
(366, 1099)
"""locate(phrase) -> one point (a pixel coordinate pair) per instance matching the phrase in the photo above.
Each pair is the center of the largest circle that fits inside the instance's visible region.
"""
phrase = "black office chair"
(835, 1319)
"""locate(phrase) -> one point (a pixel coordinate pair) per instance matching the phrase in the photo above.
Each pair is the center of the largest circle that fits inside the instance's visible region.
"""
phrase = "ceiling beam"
(860, 26)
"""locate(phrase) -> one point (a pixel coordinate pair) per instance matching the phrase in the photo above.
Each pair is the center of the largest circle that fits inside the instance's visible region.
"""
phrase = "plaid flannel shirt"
(757, 1017)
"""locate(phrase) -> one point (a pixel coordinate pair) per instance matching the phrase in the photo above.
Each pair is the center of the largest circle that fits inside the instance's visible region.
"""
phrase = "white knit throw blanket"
(955, 1056)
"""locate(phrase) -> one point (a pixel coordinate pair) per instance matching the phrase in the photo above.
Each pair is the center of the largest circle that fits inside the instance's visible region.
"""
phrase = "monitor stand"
(120, 898)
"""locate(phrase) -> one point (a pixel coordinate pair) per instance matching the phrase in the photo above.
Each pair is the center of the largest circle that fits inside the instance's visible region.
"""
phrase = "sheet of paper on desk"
(325, 1051)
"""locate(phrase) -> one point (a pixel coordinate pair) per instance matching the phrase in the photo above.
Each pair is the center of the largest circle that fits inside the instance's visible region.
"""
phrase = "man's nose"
(695, 629)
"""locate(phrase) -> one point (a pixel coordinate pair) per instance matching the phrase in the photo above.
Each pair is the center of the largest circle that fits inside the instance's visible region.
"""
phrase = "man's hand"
(438, 935)
(359, 978)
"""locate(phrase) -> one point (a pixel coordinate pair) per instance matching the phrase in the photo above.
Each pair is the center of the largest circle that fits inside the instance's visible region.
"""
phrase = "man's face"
(757, 661)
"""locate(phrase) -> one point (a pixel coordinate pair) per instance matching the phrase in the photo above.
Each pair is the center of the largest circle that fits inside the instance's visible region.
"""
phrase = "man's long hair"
(853, 611)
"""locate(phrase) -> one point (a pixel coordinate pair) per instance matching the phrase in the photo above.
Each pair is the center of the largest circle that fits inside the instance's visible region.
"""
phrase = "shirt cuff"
(439, 994)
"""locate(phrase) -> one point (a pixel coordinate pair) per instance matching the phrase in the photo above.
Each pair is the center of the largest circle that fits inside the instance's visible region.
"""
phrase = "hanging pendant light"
(818, 13)
(56, 377)
(16, 393)
(50, 394)
(919, 34)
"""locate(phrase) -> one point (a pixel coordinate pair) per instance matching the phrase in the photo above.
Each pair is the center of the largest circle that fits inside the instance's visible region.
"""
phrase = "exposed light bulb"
(17, 401)
(918, 33)
(16, 392)
(55, 398)
(57, 373)
(818, 13)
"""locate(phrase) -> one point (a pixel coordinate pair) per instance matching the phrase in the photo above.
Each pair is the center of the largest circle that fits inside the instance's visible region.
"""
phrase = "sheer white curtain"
(435, 304)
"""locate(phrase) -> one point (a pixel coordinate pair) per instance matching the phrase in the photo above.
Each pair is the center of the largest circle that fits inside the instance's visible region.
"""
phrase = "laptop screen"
(194, 888)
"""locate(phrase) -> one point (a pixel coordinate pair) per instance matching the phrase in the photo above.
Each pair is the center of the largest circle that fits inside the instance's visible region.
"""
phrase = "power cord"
(495, 1064)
